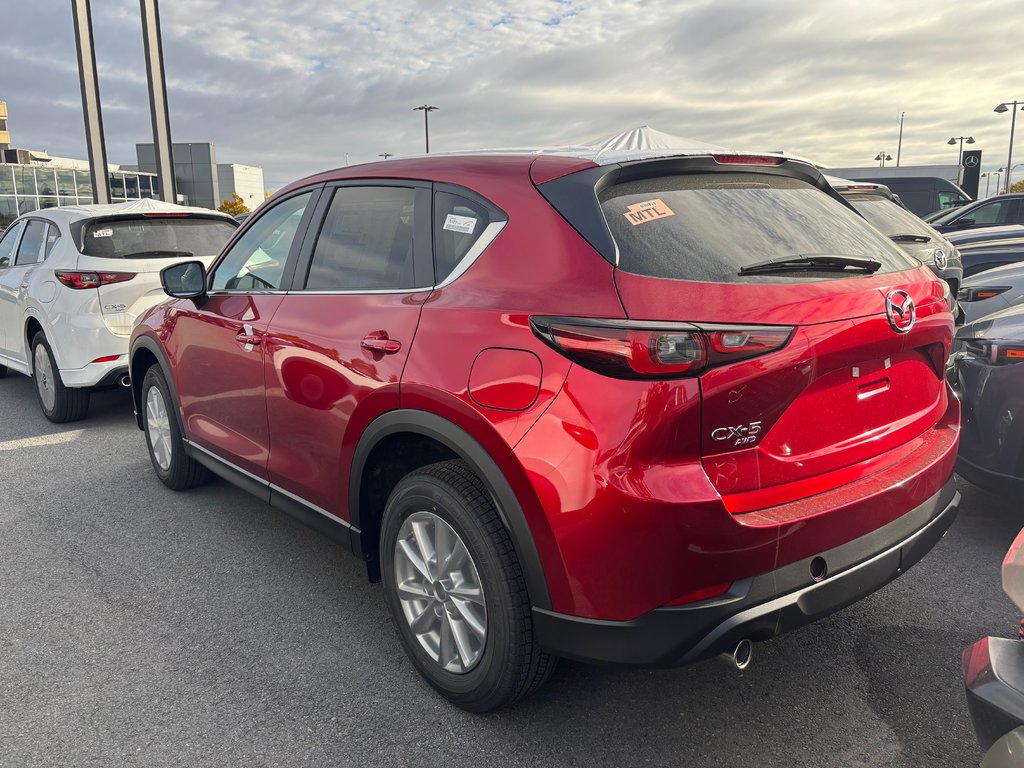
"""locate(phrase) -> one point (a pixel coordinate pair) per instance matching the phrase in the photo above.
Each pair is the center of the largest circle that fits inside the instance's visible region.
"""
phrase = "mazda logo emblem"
(900, 310)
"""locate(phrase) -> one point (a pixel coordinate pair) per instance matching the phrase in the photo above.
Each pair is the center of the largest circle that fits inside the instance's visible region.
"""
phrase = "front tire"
(175, 468)
(58, 403)
(456, 591)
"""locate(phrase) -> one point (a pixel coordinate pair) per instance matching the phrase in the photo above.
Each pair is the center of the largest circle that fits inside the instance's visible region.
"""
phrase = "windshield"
(706, 227)
(889, 218)
(155, 237)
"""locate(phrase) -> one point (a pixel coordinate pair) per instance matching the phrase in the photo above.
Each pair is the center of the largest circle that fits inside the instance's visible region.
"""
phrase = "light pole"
(881, 157)
(960, 157)
(426, 109)
(385, 155)
(1012, 109)
(899, 143)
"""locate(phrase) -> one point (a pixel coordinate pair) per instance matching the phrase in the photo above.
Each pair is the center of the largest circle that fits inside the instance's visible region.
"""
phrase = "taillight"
(748, 159)
(92, 279)
(627, 349)
(969, 294)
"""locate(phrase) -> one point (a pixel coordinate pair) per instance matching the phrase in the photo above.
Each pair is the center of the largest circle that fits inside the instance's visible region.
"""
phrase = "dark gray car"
(987, 370)
(883, 210)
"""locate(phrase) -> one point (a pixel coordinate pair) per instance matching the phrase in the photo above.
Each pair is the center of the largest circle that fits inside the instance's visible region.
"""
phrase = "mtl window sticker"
(649, 210)
(103, 233)
(465, 224)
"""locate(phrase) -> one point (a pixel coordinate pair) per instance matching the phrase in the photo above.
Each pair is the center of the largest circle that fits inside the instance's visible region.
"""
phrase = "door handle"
(379, 341)
(248, 337)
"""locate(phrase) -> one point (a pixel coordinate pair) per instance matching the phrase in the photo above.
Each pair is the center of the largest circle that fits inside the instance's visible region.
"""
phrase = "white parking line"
(36, 442)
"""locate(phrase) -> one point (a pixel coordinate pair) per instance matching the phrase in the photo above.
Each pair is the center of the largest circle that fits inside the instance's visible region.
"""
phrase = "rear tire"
(175, 468)
(58, 403)
(451, 598)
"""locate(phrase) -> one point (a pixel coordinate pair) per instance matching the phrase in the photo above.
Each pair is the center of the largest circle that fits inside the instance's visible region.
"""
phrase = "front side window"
(32, 249)
(257, 260)
(366, 242)
(993, 213)
(7, 243)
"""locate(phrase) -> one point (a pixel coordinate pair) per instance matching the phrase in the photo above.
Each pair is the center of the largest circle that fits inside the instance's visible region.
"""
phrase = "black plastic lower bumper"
(994, 677)
(1007, 485)
(758, 608)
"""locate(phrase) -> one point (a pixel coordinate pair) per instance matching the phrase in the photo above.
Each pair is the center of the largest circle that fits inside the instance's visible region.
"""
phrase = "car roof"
(987, 234)
(72, 213)
(1004, 272)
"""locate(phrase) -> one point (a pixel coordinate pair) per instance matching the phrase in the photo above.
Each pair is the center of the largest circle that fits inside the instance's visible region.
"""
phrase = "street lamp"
(426, 109)
(881, 157)
(1012, 108)
(385, 155)
(952, 142)
(988, 180)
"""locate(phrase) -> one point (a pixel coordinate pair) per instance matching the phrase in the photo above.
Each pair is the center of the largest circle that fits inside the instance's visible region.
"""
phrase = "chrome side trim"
(309, 505)
(302, 292)
(224, 461)
(490, 232)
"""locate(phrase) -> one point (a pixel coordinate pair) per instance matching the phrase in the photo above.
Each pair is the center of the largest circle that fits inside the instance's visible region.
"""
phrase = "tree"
(1018, 187)
(233, 206)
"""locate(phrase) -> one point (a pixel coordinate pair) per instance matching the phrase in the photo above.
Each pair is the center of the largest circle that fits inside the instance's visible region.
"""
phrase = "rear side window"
(32, 249)
(459, 223)
(155, 237)
(705, 227)
(366, 241)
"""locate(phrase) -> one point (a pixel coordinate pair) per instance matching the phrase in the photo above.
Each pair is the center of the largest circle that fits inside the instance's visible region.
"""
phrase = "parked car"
(994, 678)
(991, 212)
(988, 374)
(74, 279)
(924, 195)
(882, 209)
(992, 290)
(613, 407)
(985, 249)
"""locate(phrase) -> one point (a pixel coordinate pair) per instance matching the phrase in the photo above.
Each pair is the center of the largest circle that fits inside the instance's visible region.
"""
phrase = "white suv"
(73, 280)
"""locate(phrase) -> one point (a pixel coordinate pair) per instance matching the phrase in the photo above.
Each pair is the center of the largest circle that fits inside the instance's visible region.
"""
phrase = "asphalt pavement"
(143, 627)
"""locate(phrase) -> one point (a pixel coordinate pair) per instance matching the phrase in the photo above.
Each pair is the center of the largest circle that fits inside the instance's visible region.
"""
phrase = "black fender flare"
(466, 447)
(152, 346)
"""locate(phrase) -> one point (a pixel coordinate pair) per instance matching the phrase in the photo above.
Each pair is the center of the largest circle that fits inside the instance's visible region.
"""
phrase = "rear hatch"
(849, 388)
(127, 253)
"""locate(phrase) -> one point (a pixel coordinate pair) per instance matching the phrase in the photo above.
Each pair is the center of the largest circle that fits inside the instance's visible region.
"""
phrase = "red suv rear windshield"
(155, 237)
(705, 227)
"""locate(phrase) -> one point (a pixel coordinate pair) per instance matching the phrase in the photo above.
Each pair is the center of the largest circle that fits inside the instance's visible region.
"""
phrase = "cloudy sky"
(294, 85)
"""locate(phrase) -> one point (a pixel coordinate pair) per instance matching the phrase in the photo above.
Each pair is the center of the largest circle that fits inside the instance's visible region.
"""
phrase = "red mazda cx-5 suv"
(627, 409)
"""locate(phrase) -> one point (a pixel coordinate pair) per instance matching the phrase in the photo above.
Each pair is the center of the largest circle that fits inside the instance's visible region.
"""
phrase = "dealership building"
(31, 180)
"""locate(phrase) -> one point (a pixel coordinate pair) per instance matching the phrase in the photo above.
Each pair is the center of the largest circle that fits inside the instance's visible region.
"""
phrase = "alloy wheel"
(43, 374)
(440, 592)
(158, 426)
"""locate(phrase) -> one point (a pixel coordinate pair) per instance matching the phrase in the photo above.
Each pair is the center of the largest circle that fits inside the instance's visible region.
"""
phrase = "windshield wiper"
(908, 238)
(812, 263)
(145, 254)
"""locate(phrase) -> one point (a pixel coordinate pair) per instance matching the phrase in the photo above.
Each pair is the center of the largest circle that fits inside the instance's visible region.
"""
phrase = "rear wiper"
(812, 263)
(145, 254)
(910, 238)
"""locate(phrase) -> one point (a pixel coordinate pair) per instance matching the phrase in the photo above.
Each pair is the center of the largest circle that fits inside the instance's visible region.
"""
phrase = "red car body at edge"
(678, 463)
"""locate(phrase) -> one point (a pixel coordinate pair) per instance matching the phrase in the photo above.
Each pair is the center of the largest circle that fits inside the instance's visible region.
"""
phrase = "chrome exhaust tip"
(125, 381)
(740, 656)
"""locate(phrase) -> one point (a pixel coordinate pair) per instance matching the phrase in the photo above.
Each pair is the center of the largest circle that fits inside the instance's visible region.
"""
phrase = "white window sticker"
(460, 223)
(103, 233)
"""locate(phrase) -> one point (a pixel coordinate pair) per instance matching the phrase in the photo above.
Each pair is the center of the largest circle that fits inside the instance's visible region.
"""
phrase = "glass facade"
(27, 188)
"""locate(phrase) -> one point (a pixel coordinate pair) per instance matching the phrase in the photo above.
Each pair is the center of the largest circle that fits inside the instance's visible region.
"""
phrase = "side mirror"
(5, 262)
(186, 280)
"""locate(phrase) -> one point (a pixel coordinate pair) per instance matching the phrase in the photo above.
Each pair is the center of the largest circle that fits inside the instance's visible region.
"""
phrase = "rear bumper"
(95, 374)
(994, 678)
(760, 607)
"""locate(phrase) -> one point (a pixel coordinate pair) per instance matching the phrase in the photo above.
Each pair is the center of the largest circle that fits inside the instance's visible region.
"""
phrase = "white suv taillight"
(80, 280)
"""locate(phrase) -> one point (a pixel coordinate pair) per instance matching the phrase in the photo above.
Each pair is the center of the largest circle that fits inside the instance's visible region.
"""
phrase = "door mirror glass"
(186, 280)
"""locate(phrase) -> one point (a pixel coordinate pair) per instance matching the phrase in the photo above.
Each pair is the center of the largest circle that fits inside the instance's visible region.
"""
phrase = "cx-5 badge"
(741, 433)
(900, 310)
